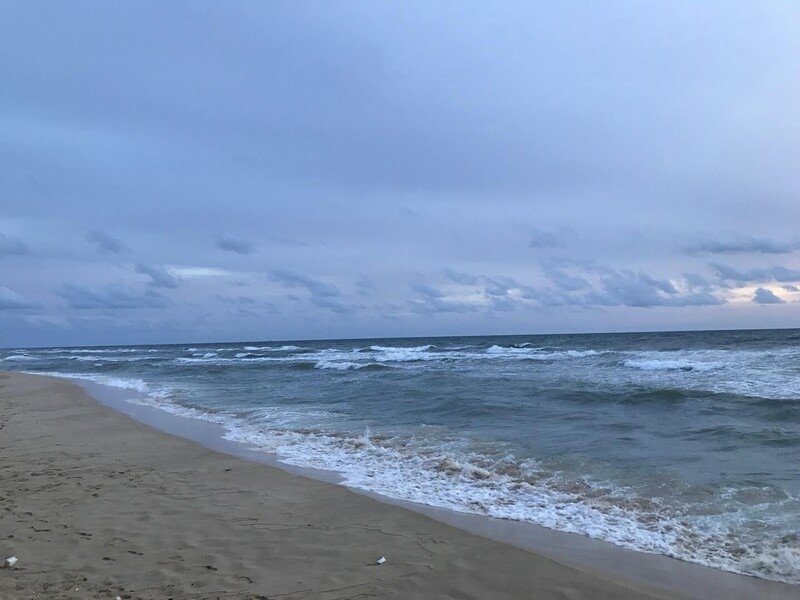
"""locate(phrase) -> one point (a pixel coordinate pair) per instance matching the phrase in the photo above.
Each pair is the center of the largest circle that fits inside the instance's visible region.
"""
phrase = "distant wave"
(93, 358)
(527, 351)
(221, 360)
(671, 365)
(357, 358)
(95, 350)
(347, 366)
(402, 348)
(339, 366)
(271, 348)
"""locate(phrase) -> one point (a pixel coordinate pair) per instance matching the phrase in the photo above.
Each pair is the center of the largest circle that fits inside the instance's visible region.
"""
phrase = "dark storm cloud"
(744, 245)
(238, 246)
(315, 287)
(765, 296)
(11, 246)
(106, 244)
(159, 276)
(110, 297)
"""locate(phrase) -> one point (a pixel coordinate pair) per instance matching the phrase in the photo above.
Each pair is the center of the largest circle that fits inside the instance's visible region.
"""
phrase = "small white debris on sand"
(381, 560)
(10, 562)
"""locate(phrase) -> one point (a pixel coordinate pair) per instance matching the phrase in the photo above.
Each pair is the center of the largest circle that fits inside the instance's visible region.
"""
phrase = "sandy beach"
(96, 505)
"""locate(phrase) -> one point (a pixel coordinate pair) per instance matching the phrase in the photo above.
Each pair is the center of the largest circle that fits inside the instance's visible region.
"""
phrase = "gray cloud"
(637, 289)
(462, 278)
(267, 123)
(11, 246)
(696, 281)
(9, 300)
(237, 246)
(159, 276)
(111, 297)
(315, 287)
(612, 288)
(742, 245)
(777, 273)
(244, 313)
(432, 300)
(334, 305)
(506, 293)
(106, 244)
(426, 291)
(544, 239)
(235, 299)
(765, 296)
(502, 303)
(364, 284)
(565, 281)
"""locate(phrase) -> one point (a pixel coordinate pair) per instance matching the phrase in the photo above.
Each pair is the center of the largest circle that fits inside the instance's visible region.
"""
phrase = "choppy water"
(683, 444)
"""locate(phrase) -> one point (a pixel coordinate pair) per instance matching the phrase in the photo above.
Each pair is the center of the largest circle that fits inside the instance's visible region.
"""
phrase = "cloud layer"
(296, 170)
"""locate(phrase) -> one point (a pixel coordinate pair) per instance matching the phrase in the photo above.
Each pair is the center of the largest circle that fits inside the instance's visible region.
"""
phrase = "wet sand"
(97, 505)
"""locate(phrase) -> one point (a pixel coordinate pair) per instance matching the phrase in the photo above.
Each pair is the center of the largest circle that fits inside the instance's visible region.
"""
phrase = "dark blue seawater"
(684, 444)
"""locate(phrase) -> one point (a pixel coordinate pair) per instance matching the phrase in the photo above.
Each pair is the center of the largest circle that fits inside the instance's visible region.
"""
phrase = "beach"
(400, 300)
(96, 505)
(642, 446)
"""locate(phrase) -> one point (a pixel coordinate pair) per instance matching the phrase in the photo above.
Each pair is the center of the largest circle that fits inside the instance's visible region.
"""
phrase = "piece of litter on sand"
(381, 560)
(117, 598)
(10, 562)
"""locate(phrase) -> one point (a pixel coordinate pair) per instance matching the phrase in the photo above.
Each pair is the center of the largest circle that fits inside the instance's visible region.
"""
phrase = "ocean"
(682, 444)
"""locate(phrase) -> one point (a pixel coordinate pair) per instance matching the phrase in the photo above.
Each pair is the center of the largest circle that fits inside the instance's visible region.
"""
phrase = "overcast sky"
(201, 171)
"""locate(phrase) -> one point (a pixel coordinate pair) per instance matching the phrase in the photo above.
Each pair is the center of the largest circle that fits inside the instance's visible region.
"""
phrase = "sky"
(216, 171)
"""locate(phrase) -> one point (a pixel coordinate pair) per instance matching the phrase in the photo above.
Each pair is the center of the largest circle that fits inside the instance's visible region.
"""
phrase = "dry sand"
(96, 505)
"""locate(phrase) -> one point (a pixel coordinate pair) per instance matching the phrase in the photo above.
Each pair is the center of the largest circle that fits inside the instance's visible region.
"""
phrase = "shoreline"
(488, 568)
(579, 551)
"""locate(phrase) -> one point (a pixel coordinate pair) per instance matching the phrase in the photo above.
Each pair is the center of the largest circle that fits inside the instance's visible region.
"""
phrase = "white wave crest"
(671, 365)
(339, 366)
(271, 348)
(133, 384)
(401, 348)
(526, 351)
